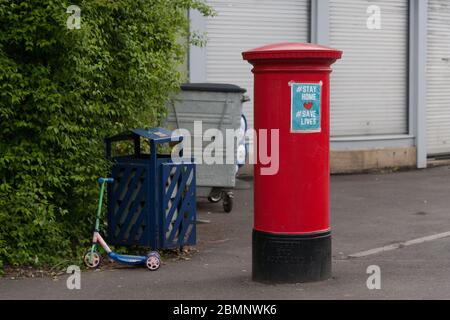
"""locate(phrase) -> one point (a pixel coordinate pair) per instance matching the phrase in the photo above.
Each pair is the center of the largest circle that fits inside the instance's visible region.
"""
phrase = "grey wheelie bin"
(217, 106)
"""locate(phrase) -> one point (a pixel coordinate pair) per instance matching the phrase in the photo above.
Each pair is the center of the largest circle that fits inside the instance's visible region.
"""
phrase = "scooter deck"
(127, 259)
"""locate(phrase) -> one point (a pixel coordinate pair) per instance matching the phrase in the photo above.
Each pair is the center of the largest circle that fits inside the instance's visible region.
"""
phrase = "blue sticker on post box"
(306, 107)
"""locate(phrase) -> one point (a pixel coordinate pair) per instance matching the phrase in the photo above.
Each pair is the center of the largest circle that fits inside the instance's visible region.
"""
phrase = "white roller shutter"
(370, 84)
(438, 109)
(246, 24)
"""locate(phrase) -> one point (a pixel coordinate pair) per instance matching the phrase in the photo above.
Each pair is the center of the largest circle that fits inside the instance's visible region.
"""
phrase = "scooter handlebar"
(105, 180)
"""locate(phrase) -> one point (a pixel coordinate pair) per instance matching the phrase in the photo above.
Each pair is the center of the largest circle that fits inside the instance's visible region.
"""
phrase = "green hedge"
(61, 92)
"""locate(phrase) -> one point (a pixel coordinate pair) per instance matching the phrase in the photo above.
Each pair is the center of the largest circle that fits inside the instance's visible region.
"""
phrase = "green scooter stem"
(100, 204)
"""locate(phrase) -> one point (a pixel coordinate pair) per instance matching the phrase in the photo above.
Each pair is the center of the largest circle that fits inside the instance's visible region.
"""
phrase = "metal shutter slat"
(369, 85)
(438, 96)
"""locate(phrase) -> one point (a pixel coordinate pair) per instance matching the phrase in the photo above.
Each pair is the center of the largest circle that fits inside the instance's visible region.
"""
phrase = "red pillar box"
(291, 235)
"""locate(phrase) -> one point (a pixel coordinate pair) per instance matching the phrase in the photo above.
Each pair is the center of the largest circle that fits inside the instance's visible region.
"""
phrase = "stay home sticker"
(306, 107)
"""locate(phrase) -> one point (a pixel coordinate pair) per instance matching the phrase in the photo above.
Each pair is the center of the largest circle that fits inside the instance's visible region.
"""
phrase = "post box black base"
(279, 258)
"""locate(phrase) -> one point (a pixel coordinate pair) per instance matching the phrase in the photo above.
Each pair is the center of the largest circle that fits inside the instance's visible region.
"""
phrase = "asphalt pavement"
(369, 211)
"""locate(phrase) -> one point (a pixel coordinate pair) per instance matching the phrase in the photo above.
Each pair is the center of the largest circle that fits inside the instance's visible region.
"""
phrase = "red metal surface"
(296, 199)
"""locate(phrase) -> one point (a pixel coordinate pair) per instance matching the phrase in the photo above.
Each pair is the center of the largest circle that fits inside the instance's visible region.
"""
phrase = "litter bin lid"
(159, 135)
(212, 87)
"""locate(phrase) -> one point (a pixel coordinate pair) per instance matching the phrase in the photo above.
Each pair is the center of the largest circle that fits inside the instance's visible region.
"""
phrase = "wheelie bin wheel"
(214, 199)
(215, 195)
(228, 202)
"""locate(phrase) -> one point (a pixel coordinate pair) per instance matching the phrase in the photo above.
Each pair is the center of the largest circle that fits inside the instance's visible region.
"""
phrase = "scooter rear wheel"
(153, 261)
(156, 253)
(92, 259)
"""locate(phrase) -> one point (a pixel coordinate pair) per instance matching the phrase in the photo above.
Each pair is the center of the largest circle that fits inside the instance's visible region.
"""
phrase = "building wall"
(378, 102)
(241, 25)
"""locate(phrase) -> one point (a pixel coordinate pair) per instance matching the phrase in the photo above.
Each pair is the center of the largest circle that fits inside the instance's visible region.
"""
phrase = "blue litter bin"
(152, 202)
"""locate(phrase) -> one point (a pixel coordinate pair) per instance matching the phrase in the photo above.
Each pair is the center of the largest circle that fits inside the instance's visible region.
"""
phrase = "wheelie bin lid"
(212, 87)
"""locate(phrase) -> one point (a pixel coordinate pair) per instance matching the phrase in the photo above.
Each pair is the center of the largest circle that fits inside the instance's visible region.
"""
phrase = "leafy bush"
(61, 92)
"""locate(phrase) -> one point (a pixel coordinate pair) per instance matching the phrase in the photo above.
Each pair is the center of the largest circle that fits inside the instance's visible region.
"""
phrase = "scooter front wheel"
(153, 261)
(92, 259)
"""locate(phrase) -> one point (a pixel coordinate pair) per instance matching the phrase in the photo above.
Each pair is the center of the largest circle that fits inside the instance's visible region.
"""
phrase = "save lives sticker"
(306, 107)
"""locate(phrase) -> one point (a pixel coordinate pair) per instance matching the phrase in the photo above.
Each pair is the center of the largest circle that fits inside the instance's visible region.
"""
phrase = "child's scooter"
(93, 258)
